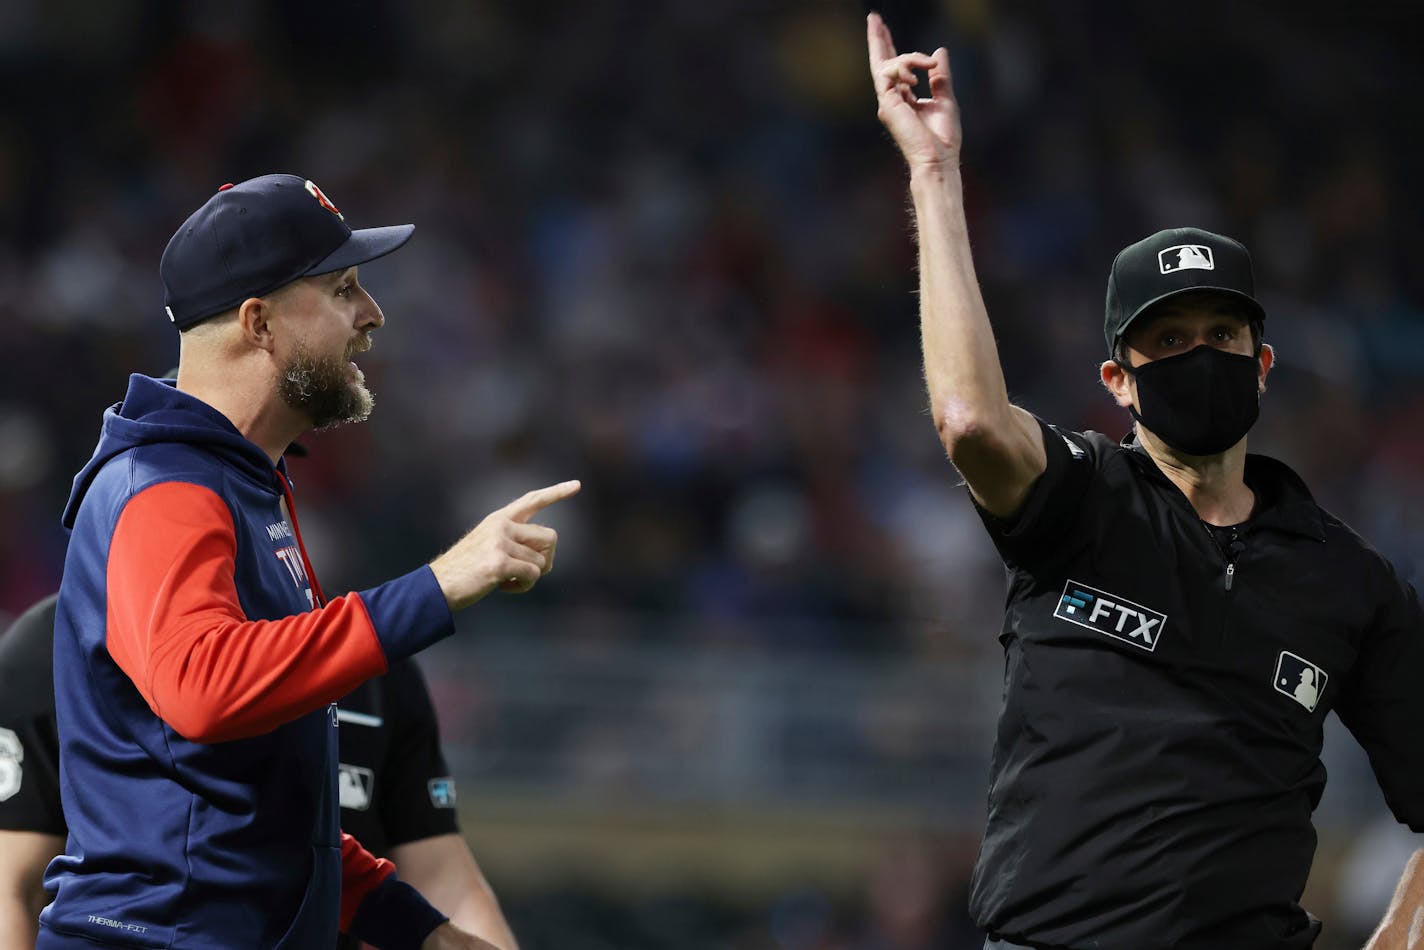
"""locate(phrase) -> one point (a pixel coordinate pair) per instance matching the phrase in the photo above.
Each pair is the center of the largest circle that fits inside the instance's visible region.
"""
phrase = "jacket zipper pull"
(1233, 551)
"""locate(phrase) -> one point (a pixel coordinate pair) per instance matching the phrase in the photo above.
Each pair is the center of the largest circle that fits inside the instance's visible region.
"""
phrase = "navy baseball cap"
(251, 238)
(1174, 262)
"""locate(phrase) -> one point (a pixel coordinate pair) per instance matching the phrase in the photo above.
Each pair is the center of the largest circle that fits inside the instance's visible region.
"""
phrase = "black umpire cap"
(1174, 262)
(251, 238)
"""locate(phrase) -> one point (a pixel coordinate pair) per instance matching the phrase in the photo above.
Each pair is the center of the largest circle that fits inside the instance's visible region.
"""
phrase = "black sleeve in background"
(29, 776)
(1383, 702)
(1052, 502)
(29, 740)
(416, 794)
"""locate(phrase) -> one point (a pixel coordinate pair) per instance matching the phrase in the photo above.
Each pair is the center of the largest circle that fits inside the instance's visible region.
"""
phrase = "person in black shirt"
(1181, 615)
(32, 827)
(397, 796)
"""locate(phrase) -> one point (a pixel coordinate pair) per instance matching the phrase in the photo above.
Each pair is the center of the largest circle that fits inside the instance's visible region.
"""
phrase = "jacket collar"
(1288, 504)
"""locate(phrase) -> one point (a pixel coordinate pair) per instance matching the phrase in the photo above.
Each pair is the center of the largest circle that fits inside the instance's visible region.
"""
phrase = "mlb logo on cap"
(1300, 679)
(1185, 257)
(1171, 262)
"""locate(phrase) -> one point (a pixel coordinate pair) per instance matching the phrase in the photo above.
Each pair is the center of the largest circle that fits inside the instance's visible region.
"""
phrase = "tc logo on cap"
(1183, 257)
(320, 196)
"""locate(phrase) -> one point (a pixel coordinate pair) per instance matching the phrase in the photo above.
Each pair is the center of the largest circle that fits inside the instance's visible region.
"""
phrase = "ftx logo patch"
(1300, 679)
(442, 792)
(1111, 615)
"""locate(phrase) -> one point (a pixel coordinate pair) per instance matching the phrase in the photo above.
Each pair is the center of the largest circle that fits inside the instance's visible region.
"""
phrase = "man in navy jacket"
(197, 660)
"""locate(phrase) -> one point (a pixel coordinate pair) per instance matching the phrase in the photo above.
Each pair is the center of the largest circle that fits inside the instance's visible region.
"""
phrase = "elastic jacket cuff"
(394, 916)
(409, 613)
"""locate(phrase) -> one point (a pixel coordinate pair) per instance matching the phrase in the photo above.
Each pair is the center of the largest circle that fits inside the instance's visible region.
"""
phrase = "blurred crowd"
(664, 248)
(914, 899)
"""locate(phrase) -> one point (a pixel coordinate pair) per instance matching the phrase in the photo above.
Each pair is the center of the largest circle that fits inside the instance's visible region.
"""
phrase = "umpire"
(1181, 615)
(396, 794)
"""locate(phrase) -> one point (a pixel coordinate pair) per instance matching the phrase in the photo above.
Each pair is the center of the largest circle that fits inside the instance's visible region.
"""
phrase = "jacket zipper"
(1234, 550)
(1229, 554)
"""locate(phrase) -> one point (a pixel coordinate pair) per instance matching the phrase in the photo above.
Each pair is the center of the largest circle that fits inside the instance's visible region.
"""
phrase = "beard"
(323, 388)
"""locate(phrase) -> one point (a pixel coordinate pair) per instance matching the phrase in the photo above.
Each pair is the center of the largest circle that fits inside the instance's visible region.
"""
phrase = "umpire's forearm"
(962, 371)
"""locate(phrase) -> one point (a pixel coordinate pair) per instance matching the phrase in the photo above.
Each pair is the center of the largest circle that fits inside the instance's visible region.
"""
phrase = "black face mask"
(1200, 402)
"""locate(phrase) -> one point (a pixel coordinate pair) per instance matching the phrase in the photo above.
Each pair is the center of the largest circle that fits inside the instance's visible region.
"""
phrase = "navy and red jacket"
(196, 666)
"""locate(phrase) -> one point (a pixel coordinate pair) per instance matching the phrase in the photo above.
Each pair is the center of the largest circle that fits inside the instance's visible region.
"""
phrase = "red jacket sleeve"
(361, 871)
(177, 629)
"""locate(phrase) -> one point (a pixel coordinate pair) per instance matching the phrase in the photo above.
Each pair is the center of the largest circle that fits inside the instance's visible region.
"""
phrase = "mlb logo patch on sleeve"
(1300, 679)
(1111, 615)
(355, 786)
(12, 753)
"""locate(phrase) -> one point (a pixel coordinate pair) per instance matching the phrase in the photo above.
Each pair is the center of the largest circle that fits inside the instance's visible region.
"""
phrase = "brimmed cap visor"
(1257, 311)
(365, 244)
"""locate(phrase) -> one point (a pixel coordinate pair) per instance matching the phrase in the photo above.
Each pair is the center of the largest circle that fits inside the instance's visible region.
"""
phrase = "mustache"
(359, 345)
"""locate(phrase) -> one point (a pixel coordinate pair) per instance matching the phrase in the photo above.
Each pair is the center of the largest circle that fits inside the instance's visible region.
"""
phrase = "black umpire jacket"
(1165, 687)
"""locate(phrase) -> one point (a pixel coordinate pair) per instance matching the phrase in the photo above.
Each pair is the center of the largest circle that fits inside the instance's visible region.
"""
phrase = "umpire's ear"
(1117, 381)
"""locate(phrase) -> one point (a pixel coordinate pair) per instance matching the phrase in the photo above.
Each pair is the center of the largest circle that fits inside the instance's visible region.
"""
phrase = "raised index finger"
(531, 503)
(878, 41)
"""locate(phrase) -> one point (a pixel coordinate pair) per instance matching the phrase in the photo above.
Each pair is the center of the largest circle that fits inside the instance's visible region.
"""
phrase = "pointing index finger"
(531, 503)
(878, 41)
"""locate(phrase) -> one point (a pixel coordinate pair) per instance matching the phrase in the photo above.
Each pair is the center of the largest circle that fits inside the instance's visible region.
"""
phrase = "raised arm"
(997, 447)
